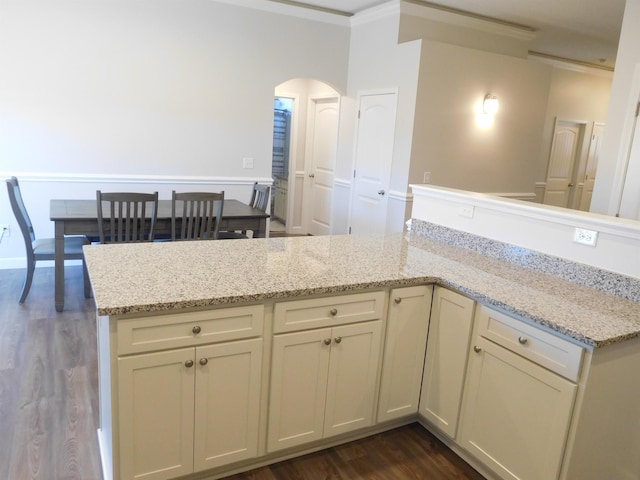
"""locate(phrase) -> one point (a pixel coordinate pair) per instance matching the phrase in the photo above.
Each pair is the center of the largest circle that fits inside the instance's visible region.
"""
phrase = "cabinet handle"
(203, 361)
(196, 330)
(523, 340)
(327, 341)
(397, 300)
(334, 312)
(338, 339)
(477, 349)
(188, 363)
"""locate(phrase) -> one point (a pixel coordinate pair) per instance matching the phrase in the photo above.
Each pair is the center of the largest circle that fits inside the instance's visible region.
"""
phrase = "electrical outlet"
(4, 230)
(585, 237)
(427, 177)
(466, 211)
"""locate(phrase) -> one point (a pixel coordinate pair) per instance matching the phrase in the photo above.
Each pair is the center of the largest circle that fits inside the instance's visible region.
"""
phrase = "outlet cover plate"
(585, 237)
(466, 211)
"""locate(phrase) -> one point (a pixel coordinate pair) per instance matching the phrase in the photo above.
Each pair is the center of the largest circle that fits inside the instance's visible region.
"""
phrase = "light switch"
(247, 162)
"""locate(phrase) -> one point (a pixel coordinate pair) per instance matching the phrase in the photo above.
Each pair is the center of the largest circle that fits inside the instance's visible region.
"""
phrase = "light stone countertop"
(156, 277)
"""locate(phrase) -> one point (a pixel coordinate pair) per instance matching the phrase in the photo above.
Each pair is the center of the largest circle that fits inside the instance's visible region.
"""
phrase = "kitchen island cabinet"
(324, 372)
(168, 289)
(405, 344)
(445, 365)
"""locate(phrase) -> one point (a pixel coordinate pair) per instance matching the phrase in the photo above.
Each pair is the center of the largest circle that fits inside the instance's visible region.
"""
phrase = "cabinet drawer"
(543, 348)
(326, 312)
(160, 332)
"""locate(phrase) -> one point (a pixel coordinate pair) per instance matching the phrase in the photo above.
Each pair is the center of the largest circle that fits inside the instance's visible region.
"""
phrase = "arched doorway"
(303, 185)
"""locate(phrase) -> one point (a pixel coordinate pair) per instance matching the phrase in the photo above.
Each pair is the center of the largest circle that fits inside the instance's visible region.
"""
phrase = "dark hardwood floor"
(49, 403)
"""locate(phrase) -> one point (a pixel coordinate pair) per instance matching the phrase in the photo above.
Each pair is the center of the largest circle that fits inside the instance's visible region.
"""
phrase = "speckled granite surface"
(135, 278)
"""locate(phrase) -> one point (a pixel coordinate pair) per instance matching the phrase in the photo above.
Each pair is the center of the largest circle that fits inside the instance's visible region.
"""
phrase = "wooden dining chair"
(42, 248)
(259, 199)
(129, 218)
(201, 213)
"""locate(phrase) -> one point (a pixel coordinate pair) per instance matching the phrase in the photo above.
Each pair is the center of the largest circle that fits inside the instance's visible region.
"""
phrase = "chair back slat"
(201, 215)
(260, 196)
(127, 221)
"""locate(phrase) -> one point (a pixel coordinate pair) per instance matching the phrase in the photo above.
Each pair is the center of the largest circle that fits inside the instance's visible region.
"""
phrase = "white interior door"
(321, 157)
(564, 150)
(592, 164)
(374, 155)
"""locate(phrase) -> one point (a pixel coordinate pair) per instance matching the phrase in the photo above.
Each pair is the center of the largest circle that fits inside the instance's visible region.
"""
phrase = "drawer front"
(326, 312)
(543, 348)
(161, 332)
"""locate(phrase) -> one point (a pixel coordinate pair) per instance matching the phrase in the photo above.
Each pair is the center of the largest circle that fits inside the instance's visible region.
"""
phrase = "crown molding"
(573, 65)
(293, 9)
(460, 18)
(379, 12)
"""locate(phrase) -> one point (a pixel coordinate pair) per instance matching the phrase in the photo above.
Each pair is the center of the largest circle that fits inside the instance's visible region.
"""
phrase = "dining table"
(80, 217)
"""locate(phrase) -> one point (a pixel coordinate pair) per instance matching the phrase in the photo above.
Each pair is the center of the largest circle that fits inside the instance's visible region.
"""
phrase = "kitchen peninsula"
(200, 344)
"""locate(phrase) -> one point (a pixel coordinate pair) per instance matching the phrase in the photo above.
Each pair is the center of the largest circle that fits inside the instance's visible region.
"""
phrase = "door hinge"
(354, 174)
(637, 109)
(358, 114)
(349, 230)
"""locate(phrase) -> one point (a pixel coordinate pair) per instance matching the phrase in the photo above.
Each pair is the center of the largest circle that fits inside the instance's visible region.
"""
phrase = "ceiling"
(581, 30)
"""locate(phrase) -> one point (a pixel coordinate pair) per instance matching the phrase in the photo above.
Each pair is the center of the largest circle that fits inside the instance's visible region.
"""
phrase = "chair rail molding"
(137, 179)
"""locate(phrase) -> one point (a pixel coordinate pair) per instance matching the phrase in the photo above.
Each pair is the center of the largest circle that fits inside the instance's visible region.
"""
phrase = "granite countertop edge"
(296, 267)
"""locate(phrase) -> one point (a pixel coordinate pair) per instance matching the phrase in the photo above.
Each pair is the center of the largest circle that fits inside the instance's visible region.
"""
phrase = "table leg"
(59, 265)
(261, 232)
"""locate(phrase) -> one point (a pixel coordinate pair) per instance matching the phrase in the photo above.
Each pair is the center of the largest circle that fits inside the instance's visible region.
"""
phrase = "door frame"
(293, 148)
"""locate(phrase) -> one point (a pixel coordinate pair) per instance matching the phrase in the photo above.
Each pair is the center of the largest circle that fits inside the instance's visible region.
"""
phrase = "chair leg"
(31, 266)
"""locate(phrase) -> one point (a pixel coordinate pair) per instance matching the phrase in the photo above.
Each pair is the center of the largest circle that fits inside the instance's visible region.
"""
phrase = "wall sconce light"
(490, 104)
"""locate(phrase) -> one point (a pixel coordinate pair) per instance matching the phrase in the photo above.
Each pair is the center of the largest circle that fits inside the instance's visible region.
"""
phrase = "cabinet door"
(353, 371)
(155, 414)
(446, 359)
(227, 402)
(299, 368)
(516, 414)
(405, 344)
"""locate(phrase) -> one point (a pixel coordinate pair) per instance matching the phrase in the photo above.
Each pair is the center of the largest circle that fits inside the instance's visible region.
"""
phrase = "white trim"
(151, 179)
(461, 19)
(378, 12)
(575, 218)
(341, 182)
(526, 196)
(572, 65)
(400, 195)
(291, 10)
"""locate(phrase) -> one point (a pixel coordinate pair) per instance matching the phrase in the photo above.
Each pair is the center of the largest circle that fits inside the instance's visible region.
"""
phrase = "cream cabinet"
(280, 199)
(445, 363)
(193, 408)
(519, 396)
(404, 350)
(323, 380)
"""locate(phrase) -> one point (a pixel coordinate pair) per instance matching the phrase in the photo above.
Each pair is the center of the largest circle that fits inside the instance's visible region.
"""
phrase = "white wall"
(377, 63)
(148, 87)
(450, 142)
(625, 92)
(541, 228)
